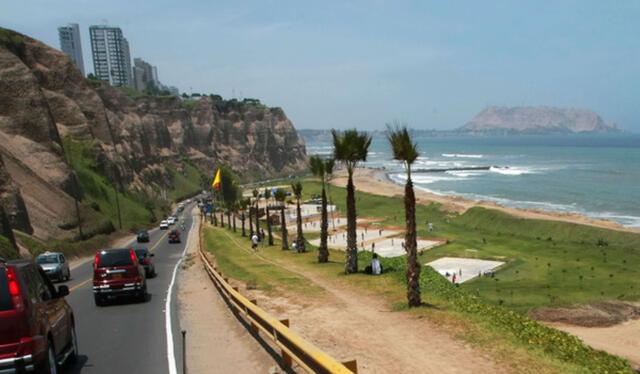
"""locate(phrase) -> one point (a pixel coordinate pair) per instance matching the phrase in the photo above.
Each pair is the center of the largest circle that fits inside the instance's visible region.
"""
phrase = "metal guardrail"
(311, 358)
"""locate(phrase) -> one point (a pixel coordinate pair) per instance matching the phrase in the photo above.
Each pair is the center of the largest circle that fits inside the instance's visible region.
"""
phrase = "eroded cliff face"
(45, 99)
(538, 120)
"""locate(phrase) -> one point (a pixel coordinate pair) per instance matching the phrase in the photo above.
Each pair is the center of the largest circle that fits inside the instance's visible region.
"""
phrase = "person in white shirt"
(376, 266)
(254, 241)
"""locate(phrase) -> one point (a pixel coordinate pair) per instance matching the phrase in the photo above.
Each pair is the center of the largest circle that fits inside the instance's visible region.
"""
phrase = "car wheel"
(143, 294)
(73, 357)
(51, 366)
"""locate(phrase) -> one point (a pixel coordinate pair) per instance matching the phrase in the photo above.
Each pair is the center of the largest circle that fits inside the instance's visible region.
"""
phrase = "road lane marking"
(171, 359)
(89, 279)
(80, 284)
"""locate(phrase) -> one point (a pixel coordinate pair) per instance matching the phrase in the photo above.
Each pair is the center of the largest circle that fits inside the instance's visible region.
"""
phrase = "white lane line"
(171, 359)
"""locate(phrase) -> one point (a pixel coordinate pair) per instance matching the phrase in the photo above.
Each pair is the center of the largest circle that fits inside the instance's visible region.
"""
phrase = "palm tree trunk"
(214, 218)
(351, 265)
(229, 220)
(285, 241)
(250, 224)
(323, 251)
(413, 267)
(243, 219)
(269, 225)
(222, 219)
(300, 240)
(234, 222)
(257, 220)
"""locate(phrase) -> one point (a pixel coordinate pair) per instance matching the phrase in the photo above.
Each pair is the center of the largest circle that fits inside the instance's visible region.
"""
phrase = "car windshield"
(142, 232)
(120, 257)
(48, 259)
(5, 296)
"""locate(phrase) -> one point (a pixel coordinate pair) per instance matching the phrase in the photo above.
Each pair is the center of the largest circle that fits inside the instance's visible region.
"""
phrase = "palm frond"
(401, 145)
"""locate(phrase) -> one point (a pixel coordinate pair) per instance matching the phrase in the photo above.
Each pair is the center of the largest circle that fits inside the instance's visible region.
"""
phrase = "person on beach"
(453, 279)
(254, 241)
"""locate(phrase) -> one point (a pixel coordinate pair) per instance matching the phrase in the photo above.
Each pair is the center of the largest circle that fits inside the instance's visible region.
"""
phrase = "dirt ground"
(597, 314)
(216, 341)
(622, 339)
(344, 323)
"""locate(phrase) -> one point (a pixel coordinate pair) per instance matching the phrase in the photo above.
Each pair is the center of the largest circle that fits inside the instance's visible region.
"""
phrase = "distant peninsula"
(497, 120)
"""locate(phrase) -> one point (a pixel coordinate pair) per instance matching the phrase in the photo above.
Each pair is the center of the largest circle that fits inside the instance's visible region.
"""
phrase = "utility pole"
(118, 208)
(76, 192)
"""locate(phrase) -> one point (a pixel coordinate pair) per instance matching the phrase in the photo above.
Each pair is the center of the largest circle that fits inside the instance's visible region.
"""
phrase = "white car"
(164, 225)
(171, 220)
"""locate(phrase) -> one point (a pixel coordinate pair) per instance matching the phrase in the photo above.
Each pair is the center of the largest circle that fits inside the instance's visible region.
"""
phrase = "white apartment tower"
(111, 57)
(70, 43)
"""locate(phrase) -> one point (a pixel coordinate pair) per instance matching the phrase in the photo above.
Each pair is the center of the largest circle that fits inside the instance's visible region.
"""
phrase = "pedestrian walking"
(254, 242)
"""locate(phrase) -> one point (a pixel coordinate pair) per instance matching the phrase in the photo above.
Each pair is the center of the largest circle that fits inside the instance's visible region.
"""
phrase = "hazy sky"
(363, 63)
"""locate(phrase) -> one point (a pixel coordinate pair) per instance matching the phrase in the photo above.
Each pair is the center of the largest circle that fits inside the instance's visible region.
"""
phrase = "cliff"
(56, 125)
(536, 120)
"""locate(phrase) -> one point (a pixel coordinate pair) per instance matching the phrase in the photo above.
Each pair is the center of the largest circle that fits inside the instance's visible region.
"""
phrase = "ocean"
(596, 175)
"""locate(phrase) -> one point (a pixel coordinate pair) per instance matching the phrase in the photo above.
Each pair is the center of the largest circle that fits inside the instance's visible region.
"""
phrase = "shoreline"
(377, 182)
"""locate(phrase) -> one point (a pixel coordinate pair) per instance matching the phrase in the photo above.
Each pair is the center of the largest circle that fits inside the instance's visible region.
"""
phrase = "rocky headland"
(496, 120)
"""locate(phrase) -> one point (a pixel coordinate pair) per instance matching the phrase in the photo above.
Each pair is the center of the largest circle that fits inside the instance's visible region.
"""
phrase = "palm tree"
(267, 196)
(322, 169)
(406, 151)
(250, 205)
(243, 217)
(351, 148)
(281, 196)
(297, 191)
(256, 197)
(229, 191)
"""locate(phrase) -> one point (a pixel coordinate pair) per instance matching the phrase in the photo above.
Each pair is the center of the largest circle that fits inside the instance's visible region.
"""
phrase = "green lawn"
(548, 263)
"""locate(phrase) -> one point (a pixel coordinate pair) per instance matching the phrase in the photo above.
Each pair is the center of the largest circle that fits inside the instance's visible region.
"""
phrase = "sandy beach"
(375, 181)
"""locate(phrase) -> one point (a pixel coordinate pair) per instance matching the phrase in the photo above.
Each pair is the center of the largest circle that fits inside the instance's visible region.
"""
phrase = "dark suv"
(37, 328)
(143, 236)
(117, 272)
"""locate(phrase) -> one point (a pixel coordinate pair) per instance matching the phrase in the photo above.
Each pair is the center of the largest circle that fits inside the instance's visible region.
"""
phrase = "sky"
(345, 64)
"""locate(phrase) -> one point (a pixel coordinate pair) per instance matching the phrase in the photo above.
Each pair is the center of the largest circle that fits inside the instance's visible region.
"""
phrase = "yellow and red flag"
(216, 180)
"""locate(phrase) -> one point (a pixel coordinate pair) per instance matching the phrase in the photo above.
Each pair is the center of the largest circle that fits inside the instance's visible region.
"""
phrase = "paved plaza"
(393, 247)
(464, 268)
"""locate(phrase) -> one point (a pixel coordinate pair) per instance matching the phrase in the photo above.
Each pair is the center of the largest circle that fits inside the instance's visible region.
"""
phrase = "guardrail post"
(254, 327)
(286, 359)
(184, 352)
(351, 365)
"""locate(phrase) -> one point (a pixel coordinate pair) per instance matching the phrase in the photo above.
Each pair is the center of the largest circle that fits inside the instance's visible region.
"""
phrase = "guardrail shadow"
(272, 351)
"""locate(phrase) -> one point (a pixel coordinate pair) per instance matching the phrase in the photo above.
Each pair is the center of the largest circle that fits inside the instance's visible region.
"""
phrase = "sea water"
(597, 175)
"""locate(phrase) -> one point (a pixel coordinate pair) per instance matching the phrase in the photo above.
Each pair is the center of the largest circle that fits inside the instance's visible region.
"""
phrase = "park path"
(348, 324)
(216, 341)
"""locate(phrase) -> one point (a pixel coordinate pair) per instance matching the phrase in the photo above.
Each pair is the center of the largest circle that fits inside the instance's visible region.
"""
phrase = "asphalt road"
(129, 336)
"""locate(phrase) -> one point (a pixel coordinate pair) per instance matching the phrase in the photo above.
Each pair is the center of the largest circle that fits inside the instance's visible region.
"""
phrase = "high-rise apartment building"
(70, 43)
(143, 73)
(111, 57)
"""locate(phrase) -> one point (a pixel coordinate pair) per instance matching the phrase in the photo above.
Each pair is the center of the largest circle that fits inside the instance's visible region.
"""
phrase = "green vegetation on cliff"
(100, 199)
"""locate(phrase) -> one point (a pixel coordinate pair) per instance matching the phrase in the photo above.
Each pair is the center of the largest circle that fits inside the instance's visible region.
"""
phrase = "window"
(113, 258)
